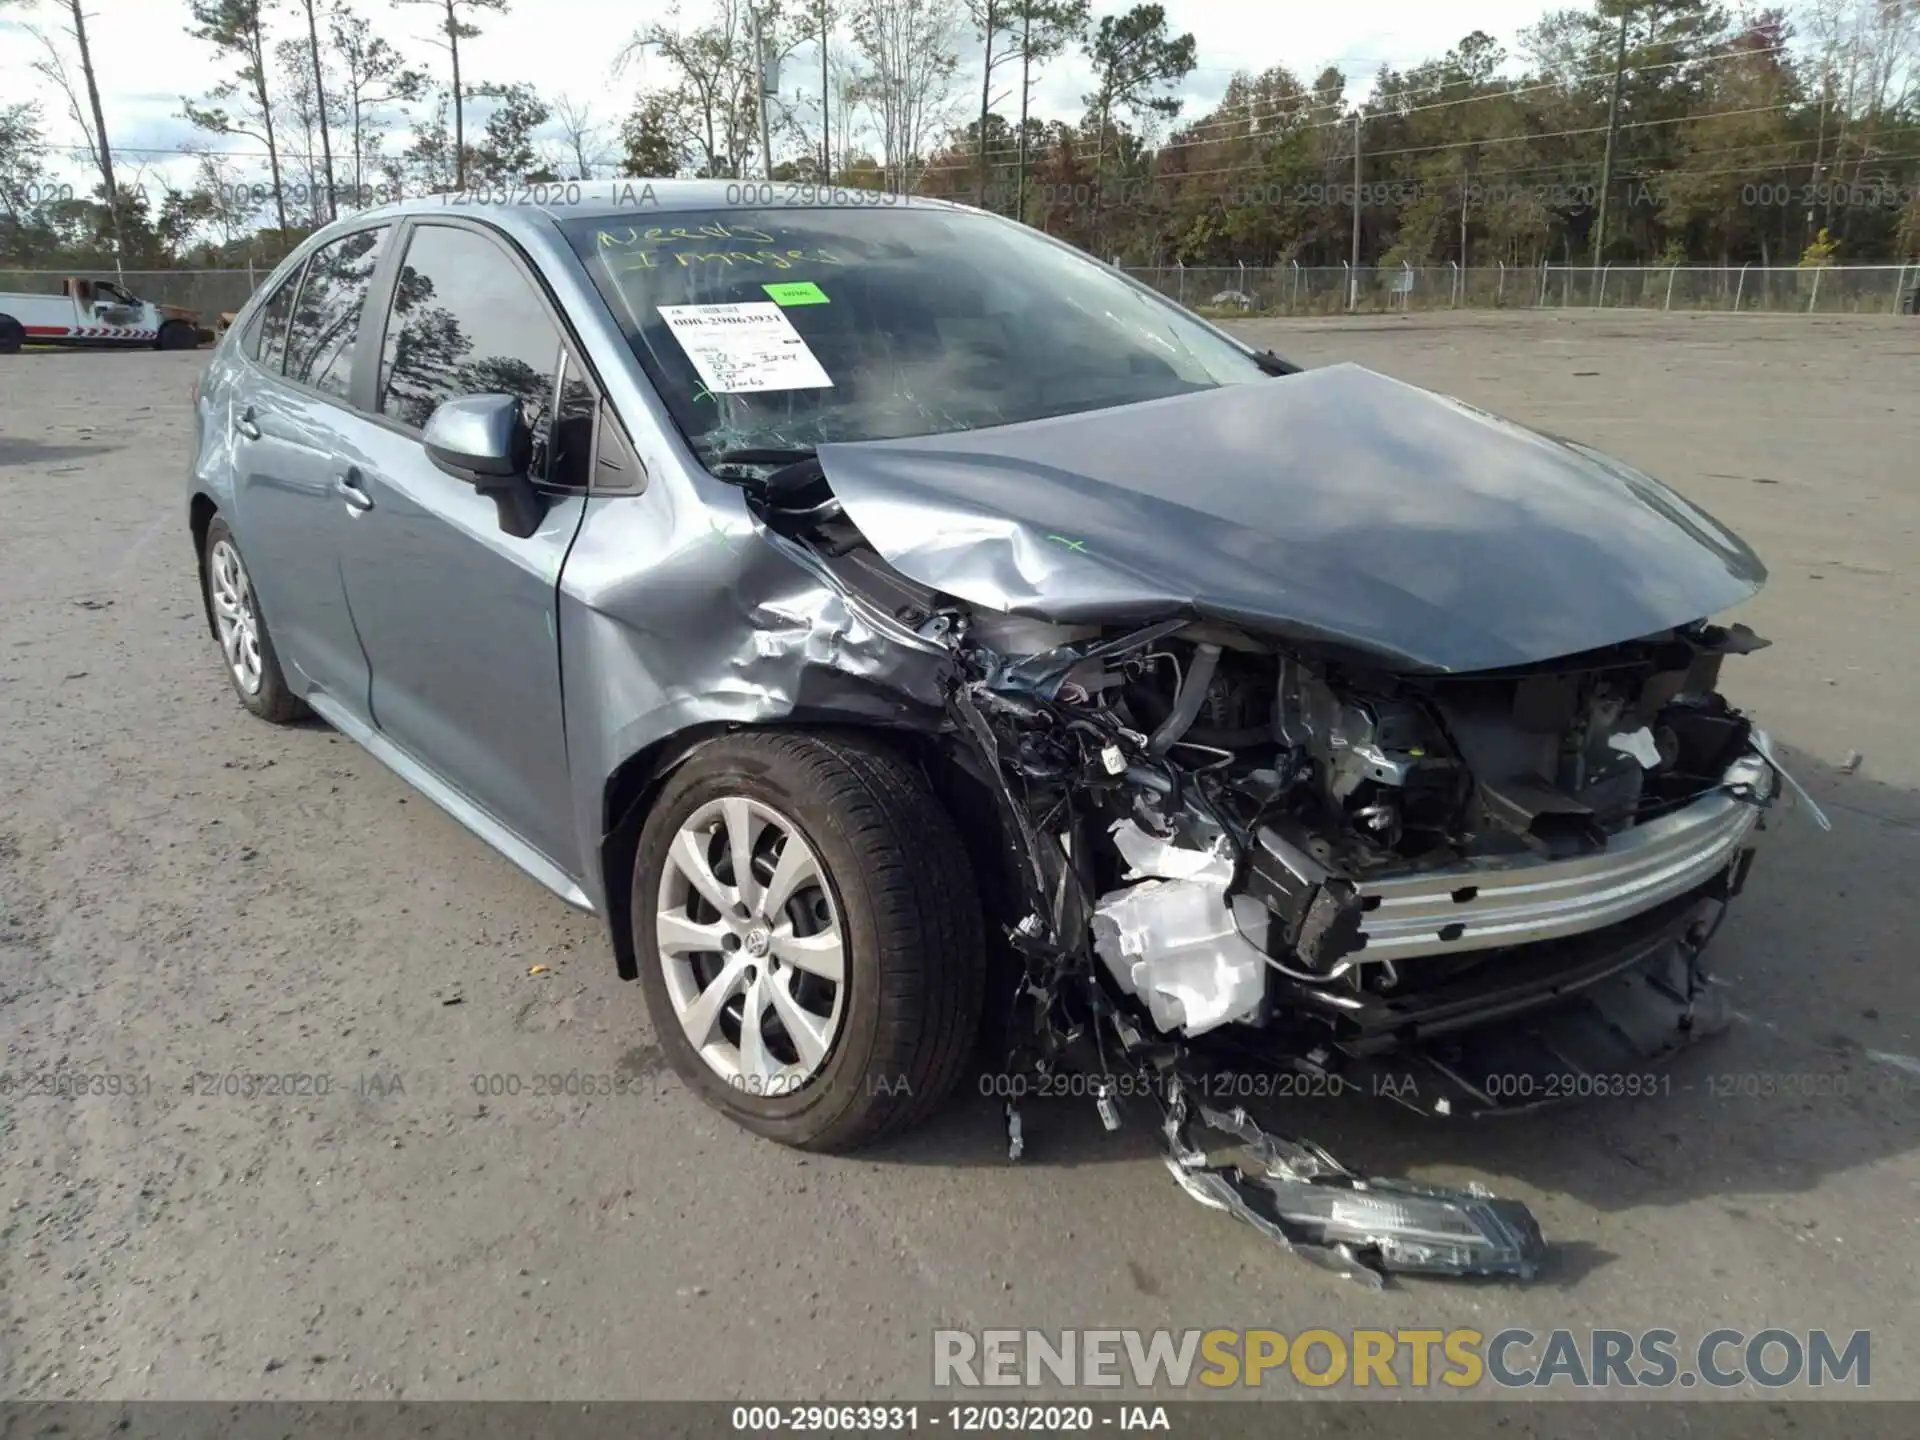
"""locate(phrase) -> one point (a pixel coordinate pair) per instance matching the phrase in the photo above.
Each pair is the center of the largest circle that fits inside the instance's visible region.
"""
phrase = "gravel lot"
(186, 892)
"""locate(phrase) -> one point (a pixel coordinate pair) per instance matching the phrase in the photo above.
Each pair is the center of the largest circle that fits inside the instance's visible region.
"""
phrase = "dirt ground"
(188, 895)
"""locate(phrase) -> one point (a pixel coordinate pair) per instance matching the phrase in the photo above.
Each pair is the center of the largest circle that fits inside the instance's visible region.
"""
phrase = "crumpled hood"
(1335, 507)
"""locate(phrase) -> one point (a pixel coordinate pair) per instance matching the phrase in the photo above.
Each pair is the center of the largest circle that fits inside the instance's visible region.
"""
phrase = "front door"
(457, 616)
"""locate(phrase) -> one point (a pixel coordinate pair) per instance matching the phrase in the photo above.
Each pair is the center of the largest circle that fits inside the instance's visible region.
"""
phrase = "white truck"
(95, 313)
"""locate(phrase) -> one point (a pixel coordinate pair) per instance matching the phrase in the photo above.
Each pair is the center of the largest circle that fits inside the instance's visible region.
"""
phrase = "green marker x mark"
(1078, 546)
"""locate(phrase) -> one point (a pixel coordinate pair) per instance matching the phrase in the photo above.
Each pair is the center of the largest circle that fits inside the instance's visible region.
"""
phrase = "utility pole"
(826, 118)
(1026, 91)
(1353, 270)
(760, 87)
(1613, 127)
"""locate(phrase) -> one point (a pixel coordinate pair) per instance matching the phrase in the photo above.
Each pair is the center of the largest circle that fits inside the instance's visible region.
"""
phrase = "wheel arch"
(633, 786)
(200, 512)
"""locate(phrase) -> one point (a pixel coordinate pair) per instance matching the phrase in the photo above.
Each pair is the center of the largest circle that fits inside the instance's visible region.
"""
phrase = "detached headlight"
(1750, 778)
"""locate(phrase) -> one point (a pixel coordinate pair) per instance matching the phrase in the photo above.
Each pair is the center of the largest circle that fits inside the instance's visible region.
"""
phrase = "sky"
(147, 60)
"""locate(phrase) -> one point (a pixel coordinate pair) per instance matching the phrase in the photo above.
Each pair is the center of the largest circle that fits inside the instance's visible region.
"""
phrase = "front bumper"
(1493, 902)
(1504, 900)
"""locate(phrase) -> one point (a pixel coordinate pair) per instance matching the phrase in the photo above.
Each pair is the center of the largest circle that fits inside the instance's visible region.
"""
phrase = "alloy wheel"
(234, 615)
(752, 944)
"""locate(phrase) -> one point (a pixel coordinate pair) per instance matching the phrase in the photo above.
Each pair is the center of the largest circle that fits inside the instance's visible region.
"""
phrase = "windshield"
(779, 330)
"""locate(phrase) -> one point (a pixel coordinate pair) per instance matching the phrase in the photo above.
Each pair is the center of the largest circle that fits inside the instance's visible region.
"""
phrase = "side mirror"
(482, 440)
(478, 437)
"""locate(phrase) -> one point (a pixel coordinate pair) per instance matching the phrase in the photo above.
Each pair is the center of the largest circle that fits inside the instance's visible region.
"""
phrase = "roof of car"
(562, 200)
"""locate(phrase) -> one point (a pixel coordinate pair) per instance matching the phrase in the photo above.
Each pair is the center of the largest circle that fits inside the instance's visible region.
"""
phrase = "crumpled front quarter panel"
(679, 609)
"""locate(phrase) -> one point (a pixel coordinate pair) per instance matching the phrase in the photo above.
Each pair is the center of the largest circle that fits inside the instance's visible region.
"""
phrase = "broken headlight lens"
(1456, 1233)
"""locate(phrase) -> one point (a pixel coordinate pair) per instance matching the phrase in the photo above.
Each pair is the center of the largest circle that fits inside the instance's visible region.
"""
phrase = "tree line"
(1637, 132)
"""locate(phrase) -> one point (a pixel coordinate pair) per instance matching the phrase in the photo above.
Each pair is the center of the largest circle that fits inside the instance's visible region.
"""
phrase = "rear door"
(456, 615)
(293, 444)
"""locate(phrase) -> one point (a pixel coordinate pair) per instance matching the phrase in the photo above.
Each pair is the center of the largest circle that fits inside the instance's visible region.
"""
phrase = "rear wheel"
(177, 335)
(12, 335)
(810, 937)
(253, 668)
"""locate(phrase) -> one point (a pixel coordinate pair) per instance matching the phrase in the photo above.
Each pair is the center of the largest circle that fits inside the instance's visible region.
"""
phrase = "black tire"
(912, 925)
(273, 701)
(12, 335)
(177, 335)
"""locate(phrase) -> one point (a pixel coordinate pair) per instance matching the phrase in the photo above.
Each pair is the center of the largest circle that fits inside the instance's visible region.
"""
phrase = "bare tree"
(456, 30)
(303, 94)
(234, 206)
(320, 93)
(1866, 54)
(237, 29)
(849, 92)
(93, 121)
(579, 134)
(910, 49)
(819, 17)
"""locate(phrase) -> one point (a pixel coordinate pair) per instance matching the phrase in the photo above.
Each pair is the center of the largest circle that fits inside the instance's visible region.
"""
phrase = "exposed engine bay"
(1233, 849)
(1253, 800)
(1240, 830)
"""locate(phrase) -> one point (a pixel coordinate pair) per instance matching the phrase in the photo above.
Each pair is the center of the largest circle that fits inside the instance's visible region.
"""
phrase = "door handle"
(347, 487)
(246, 426)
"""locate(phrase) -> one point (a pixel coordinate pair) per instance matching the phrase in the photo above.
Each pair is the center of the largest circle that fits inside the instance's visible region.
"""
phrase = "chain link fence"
(1322, 290)
(1378, 289)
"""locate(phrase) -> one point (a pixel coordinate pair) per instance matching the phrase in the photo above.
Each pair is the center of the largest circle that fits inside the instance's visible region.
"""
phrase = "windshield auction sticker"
(740, 348)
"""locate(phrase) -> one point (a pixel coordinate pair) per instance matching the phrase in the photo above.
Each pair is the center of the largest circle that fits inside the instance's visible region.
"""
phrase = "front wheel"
(810, 937)
(12, 335)
(177, 335)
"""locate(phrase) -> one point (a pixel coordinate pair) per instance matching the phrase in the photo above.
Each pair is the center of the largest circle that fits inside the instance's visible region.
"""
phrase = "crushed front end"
(1385, 807)
(1236, 855)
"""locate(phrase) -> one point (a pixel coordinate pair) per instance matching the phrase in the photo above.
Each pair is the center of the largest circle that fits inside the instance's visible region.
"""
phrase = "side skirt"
(450, 800)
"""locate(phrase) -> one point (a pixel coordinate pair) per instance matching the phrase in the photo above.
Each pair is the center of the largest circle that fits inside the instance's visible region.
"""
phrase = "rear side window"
(465, 321)
(270, 331)
(326, 321)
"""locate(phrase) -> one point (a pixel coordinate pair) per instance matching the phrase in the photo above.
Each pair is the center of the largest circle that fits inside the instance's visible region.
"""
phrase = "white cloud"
(147, 60)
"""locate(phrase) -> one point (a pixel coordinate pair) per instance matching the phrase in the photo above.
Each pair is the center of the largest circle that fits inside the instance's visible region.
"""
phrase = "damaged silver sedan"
(889, 619)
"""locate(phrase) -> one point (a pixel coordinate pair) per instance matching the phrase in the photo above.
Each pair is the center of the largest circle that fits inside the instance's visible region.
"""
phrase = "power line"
(1483, 141)
(1567, 167)
(1290, 107)
(1505, 93)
